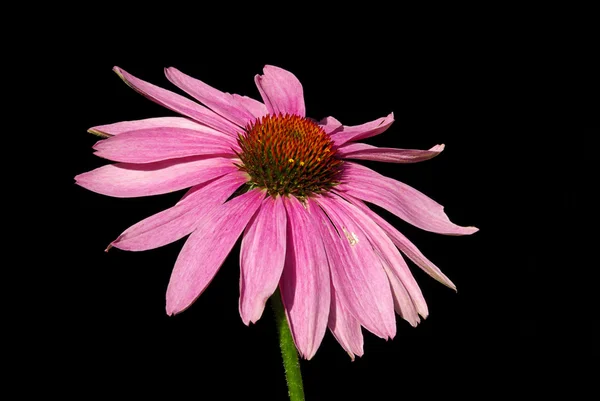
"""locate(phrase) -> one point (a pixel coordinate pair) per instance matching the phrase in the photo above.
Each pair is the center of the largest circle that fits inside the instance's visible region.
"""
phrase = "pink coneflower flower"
(284, 183)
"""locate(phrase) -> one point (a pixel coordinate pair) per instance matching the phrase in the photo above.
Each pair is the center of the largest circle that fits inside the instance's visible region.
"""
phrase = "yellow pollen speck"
(302, 163)
(318, 159)
(290, 160)
(352, 238)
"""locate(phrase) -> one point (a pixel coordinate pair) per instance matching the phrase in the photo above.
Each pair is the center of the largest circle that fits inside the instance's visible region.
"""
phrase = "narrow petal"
(357, 273)
(363, 151)
(305, 285)
(256, 108)
(178, 103)
(366, 130)
(392, 260)
(157, 144)
(404, 244)
(403, 304)
(404, 201)
(281, 91)
(183, 218)
(330, 125)
(220, 102)
(134, 125)
(206, 249)
(345, 328)
(262, 256)
(126, 180)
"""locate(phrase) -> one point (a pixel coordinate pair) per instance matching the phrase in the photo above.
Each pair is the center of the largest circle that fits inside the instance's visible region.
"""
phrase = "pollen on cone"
(289, 155)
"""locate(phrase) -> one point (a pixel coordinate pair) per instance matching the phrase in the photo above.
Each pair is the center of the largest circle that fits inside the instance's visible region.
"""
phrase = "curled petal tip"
(97, 133)
(108, 247)
(471, 229)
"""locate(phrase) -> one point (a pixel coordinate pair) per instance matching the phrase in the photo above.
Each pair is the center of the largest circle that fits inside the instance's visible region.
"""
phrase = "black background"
(474, 84)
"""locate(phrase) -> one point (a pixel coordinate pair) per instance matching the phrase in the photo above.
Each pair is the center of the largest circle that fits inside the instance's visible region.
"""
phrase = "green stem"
(288, 350)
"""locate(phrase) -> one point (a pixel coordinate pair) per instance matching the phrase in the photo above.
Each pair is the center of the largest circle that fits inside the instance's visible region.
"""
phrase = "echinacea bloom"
(285, 183)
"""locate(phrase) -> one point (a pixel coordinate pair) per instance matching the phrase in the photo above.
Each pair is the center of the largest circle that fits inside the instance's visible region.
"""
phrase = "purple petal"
(262, 257)
(363, 151)
(404, 201)
(156, 144)
(403, 243)
(366, 130)
(183, 218)
(281, 91)
(392, 260)
(126, 180)
(179, 104)
(357, 273)
(345, 328)
(330, 125)
(125, 126)
(222, 103)
(206, 249)
(305, 285)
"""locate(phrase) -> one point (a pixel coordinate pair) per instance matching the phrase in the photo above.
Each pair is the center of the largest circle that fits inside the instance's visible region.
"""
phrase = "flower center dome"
(288, 155)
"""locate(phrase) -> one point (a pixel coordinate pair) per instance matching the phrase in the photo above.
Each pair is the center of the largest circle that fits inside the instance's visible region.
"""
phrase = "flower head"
(284, 183)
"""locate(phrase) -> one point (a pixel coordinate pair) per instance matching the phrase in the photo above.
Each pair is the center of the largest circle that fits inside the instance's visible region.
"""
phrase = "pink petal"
(125, 126)
(357, 273)
(304, 285)
(392, 260)
(126, 180)
(281, 91)
(206, 249)
(402, 200)
(407, 247)
(179, 103)
(345, 328)
(363, 151)
(156, 144)
(262, 257)
(366, 130)
(403, 304)
(183, 218)
(222, 103)
(256, 108)
(330, 124)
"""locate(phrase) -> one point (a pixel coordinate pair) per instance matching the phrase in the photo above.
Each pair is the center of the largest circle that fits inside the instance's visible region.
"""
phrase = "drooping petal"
(256, 108)
(389, 254)
(345, 328)
(179, 103)
(330, 125)
(366, 130)
(157, 144)
(404, 201)
(262, 256)
(362, 151)
(281, 91)
(404, 244)
(403, 304)
(206, 249)
(220, 102)
(183, 218)
(357, 274)
(134, 125)
(305, 285)
(126, 180)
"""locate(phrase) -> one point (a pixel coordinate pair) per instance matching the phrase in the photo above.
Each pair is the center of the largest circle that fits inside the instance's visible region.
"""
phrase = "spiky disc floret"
(288, 155)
